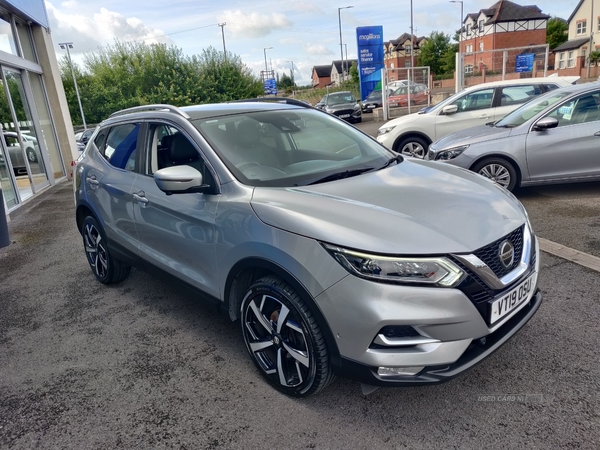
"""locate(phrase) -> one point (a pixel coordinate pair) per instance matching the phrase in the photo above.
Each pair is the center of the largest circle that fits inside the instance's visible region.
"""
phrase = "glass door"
(20, 134)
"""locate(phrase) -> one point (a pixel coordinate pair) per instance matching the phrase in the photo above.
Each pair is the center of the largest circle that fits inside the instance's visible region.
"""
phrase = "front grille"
(490, 253)
(343, 111)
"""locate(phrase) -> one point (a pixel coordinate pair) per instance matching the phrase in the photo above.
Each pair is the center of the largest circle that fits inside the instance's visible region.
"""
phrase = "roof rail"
(287, 100)
(157, 107)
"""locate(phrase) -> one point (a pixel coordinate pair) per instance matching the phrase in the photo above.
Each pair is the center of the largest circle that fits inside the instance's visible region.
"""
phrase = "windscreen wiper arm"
(342, 174)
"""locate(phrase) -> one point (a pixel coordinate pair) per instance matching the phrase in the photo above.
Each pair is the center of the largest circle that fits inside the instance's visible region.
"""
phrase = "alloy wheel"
(413, 149)
(95, 250)
(497, 173)
(277, 341)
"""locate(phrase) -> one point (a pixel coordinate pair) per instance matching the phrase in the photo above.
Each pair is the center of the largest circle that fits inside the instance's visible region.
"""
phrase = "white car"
(412, 134)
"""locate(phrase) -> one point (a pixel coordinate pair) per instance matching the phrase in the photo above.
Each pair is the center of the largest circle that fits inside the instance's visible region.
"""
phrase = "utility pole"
(341, 43)
(222, 25)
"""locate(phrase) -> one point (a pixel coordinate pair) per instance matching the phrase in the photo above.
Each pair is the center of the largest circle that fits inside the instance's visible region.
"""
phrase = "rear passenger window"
(119, 146)
(475, 100)
(515, 95)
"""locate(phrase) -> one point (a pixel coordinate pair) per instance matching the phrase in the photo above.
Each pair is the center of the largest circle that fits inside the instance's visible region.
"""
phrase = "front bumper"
(444, 327)
(476, 352)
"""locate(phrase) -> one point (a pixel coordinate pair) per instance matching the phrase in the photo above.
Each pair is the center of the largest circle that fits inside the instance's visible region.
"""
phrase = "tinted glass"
(579, 110)
(120, 145)
(515, 95)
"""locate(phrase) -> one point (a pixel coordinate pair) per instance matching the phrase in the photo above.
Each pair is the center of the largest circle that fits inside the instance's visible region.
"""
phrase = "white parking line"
(570, 254)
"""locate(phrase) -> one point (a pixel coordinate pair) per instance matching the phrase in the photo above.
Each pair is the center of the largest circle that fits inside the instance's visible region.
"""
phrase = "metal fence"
(397, 92)
(502, 64)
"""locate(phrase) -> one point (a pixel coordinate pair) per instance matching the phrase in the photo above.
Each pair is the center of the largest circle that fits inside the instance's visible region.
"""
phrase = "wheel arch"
(509, 159)
(409, 134)
(245, 272)
(83, 210)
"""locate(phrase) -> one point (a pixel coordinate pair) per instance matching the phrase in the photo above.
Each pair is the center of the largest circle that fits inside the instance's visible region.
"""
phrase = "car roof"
(568, 80)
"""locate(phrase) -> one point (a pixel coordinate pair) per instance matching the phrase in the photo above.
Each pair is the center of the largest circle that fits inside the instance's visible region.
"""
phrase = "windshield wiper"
(342, 174)
(397, 158)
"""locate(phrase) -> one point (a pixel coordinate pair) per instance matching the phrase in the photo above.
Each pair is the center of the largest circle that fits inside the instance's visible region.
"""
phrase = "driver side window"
(583, 109)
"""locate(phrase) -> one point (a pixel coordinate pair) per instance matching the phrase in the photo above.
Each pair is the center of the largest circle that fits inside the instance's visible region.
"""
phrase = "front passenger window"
(475, 100)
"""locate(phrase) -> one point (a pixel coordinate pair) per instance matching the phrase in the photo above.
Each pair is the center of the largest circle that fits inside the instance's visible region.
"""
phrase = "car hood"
(472, 135)
(402, 120)
(414, 208)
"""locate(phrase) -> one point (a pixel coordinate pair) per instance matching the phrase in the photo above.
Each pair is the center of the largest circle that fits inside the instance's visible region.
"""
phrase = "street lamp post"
(459, 70)
(346, 54)
(265, 51)
(223, 35)
(341, 43)
(67, 46)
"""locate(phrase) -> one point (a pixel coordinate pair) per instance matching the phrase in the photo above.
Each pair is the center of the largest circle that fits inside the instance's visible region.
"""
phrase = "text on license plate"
(509, 301)
(344, 116)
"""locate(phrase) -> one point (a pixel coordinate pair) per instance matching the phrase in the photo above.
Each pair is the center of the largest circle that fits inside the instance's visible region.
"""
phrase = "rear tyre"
(499, 171)
(413, 146)
(105, 267)
(283, 338)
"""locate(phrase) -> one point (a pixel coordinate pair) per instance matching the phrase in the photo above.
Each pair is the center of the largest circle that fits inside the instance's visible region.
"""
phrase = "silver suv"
(336, 255)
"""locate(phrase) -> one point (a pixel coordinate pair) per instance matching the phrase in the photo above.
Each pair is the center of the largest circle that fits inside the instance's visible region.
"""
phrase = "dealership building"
(38, 144)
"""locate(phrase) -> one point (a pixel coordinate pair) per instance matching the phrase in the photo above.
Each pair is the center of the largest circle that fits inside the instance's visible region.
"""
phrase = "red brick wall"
(320, 82)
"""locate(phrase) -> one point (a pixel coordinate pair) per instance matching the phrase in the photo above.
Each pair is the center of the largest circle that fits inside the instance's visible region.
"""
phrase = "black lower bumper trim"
(439, 374)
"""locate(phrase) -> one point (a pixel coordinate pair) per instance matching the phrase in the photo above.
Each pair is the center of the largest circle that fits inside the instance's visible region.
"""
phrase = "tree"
(285, 82)
(556, 32)
(432, 53)
(131, 74)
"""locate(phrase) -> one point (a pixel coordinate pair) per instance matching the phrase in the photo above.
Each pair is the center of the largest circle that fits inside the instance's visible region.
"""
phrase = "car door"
(474, 108)
(572, 149)
(108, 180)
(176, 232)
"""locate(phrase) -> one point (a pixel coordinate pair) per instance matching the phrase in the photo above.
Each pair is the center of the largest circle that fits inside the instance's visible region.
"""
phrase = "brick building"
(397, 52)
(321, 76)
(503, 25)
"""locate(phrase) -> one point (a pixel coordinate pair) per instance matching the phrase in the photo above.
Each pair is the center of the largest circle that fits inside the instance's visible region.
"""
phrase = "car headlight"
(385, 130)
(451, 153)
(430, 271)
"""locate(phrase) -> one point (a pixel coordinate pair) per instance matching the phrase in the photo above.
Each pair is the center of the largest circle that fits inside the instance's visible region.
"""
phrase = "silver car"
(551, 139)
(336, 255)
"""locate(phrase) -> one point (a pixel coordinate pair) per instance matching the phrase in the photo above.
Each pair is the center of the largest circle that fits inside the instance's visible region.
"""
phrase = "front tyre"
(31, 155)
(105, 267)
(283, 338)
(499, 171)
(413, 146)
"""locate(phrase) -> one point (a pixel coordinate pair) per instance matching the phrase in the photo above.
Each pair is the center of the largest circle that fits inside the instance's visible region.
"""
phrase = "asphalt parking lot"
(144, 365)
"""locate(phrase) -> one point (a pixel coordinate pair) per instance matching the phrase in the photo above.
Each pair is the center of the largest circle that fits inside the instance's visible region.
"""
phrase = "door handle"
(141, 197)
(92, 180)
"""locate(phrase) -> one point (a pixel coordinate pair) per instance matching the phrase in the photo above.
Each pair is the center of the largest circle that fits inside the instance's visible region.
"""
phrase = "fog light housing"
(398, 371)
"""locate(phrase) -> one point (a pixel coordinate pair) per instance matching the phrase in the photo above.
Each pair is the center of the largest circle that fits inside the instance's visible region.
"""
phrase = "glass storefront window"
(7, 39)
(23, 31)
(46, 124)
(6, 184)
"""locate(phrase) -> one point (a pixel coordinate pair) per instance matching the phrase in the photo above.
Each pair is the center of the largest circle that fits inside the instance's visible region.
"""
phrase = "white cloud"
(103, 27)
(317, 49)
(254, 25)
(70, 4)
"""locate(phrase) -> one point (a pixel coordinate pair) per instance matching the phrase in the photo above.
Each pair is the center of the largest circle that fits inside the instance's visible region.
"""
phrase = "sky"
(304, 33)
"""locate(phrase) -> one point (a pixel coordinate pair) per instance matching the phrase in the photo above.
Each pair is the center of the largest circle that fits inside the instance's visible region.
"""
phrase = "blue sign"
(270, 86)
(524, 63)
(370, 58)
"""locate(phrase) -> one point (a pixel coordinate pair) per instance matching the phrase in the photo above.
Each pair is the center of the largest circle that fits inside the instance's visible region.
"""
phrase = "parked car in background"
(84, 135)
(293, 230)
(398, 83)
(16, 154)
(373, 100)
(342, 104)
(412, 134)
(419, 94)
(552, 139)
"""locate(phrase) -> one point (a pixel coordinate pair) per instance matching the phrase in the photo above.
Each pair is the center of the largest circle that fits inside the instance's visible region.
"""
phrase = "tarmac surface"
(143, 365)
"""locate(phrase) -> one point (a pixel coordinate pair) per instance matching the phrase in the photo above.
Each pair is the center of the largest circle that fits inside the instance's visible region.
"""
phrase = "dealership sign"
(370, 58)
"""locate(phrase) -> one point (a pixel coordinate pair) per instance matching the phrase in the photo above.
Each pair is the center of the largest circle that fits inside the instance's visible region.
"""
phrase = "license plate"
(511, 300)
(370, 106)
(344, 116)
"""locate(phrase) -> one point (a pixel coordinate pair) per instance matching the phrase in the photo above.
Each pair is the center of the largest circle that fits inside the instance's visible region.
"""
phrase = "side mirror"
(450, 109)
(545, 124)
(179, 180)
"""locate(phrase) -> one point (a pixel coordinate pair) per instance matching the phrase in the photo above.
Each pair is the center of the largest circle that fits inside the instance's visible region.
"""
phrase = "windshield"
(403, 90)
(522, 114)
(340, 98)
(290, 147)
(375, 95)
